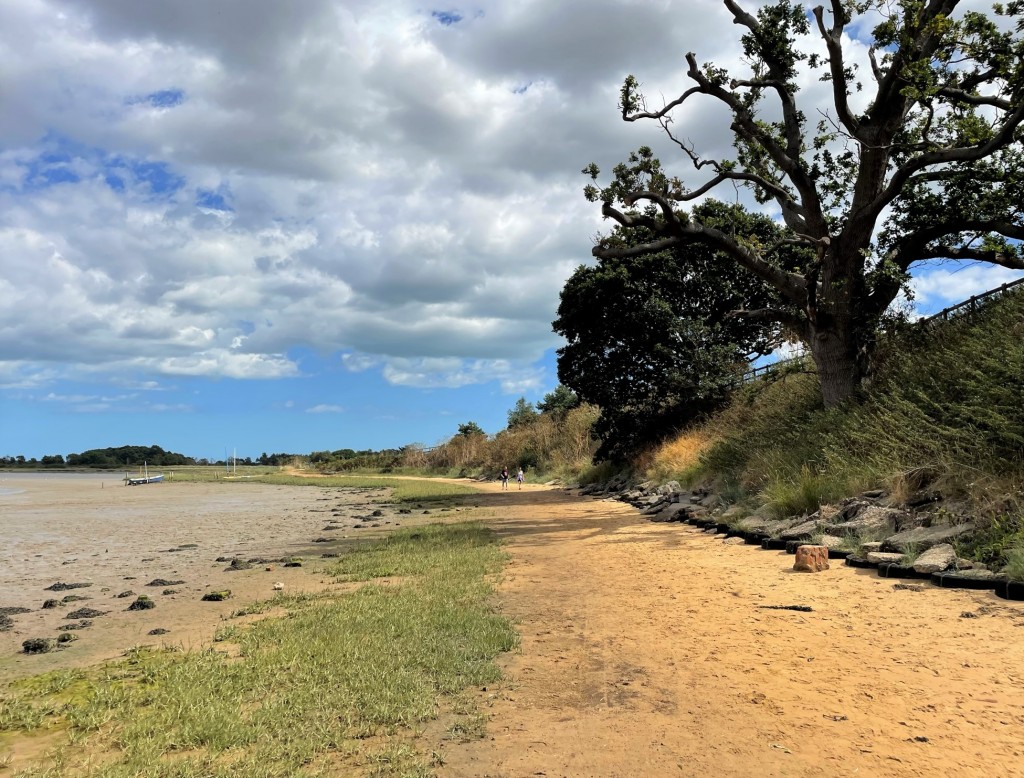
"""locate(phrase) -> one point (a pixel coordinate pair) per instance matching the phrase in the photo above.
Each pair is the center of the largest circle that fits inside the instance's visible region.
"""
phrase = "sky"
(257, 226)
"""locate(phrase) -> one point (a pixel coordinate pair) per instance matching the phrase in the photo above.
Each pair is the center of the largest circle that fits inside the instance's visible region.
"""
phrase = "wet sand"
(88, 528)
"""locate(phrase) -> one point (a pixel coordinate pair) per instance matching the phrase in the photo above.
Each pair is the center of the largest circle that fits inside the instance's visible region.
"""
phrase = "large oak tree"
(930, 166)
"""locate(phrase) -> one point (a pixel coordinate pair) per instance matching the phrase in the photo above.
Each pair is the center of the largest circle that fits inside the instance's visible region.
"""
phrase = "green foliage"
(648, 337)
(522, 413)
(802, 493)
(469, 429)
(559, 401)
(130, 456)
(945, 404)
(1014, 567)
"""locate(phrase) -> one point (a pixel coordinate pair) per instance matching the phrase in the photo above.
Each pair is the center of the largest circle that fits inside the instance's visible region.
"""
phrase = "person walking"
(504, 478)
(519, 478)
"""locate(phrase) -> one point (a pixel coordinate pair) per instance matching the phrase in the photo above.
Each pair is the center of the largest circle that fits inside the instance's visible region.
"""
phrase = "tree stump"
(811, 559)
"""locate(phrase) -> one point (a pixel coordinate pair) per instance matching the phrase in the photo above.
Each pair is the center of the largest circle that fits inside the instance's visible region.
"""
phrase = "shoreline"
(79, 528)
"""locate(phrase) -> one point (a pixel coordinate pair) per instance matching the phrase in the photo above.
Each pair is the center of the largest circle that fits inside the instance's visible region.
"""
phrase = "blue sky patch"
(166, 98)
(214, 200)
(157, 176)
(162, 98)
(447, 18)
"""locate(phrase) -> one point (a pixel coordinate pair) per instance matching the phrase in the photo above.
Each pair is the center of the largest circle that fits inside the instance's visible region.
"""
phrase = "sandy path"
(644, 654)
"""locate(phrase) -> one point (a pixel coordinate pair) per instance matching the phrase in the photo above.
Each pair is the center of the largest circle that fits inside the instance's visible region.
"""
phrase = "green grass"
(337, 686)
(1014, 567)
(402, 489)
(943, 412)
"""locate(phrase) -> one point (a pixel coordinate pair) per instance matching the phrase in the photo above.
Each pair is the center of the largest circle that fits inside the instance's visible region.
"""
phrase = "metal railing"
(966, 307)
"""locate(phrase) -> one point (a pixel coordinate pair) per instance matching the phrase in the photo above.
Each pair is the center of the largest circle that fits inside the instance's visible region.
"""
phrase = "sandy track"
(644, 653)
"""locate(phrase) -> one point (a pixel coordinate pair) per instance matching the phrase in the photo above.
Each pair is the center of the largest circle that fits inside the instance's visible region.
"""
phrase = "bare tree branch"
(837, 67)
(967, 252)
(961, 96)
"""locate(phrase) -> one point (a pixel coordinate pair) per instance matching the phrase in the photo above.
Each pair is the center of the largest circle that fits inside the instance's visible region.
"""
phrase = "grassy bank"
(944, 414)
(401, 490)
(338, 685)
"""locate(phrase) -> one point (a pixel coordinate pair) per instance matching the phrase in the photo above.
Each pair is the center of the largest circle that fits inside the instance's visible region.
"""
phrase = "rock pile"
(914, 537)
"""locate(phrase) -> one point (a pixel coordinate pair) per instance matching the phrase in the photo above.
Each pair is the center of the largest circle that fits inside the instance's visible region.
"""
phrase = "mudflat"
(88, 528)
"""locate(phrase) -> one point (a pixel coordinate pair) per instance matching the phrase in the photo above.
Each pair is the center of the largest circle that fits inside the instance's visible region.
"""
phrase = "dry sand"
(644, 651)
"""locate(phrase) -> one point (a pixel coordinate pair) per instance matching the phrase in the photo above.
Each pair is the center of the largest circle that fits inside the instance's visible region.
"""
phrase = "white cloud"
(942, 287)
(324, 408)
(197, 189)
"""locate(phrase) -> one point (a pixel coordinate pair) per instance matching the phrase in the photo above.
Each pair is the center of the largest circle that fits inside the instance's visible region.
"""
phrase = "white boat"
(143, 477)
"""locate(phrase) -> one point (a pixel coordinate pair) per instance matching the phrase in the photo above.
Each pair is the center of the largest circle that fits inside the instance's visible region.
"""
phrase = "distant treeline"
(134, 456)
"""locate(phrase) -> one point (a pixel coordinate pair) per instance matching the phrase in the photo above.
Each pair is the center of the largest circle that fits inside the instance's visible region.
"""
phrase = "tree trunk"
(835, 353)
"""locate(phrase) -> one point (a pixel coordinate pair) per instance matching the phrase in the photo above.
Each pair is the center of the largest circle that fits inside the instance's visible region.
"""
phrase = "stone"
(711, 501)
(801, 531)
(37, 645)
(733, 513)
(811, 559)
(923, 497)
(655, 505)
(826, 512)
(85, 613)
(696, 512)
(63, 587)
(980, 574)
(869, 520)
(752, 523)
(673, 512)
(936, 559)
(883, 558)
(926, 537)
(832, 541)
(216, 596)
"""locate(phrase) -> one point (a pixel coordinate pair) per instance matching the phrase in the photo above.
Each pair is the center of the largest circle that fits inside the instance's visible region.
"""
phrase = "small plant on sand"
(911, 553)
(1014, 567)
